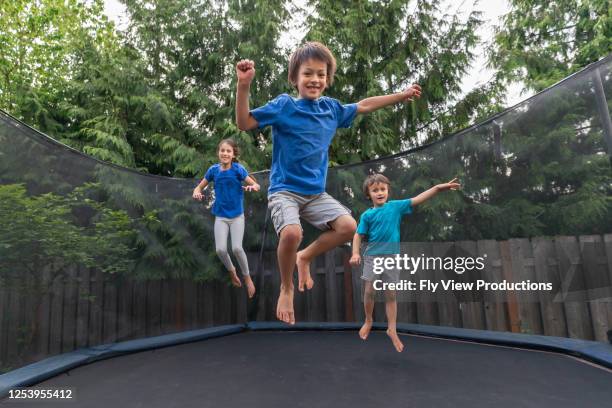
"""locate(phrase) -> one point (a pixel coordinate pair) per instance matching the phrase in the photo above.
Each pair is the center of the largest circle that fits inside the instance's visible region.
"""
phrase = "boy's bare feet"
(235, 280)
(397, 343)
(303, 267)
(284, 307)
(250, 286)
(364, 332)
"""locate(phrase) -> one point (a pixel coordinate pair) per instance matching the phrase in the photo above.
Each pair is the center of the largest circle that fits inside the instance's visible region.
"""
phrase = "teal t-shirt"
(382, 226)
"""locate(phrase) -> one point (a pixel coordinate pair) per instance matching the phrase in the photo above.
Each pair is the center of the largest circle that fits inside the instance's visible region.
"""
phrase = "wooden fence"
(84, 307)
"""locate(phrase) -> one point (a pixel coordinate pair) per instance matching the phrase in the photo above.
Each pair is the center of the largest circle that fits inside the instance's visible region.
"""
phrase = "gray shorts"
(371, 267)
(319, 210)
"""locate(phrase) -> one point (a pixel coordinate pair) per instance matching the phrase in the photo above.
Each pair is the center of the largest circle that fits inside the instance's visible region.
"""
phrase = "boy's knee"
(346, 225)
(291, 235)
(221, 252)
(237, 250)
(368, 291)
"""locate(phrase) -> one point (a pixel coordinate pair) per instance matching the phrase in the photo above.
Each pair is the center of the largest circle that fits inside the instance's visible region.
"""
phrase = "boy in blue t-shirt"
(381, 225)
(302, 130)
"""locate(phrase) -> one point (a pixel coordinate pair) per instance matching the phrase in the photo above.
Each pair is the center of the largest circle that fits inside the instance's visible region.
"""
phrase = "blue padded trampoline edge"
(52, 366)
(596, 352)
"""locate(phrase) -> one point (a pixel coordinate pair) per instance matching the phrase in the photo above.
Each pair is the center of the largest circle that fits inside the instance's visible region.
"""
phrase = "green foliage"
(38, 40)
(541, 42)
(383, 47)
(46, 231)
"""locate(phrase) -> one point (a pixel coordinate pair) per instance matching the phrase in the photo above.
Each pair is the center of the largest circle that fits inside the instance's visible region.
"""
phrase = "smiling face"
(225, 153)
(378, 193)
(311, 79)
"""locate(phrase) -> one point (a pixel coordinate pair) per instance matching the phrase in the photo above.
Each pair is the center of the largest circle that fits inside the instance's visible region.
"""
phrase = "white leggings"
(234, 226)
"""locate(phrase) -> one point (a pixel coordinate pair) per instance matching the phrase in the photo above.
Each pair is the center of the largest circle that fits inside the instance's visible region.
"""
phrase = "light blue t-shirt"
(228, 189)
(382, 226)
(302, 130)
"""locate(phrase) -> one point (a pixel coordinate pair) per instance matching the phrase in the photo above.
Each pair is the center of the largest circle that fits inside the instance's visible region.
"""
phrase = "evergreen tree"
(541, 42)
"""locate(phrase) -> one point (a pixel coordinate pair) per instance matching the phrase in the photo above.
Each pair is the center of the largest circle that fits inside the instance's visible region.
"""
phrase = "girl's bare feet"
(364, 332)
(250, 286)
(235, 280)
(284, 307)
(304, 278)
(397, 343)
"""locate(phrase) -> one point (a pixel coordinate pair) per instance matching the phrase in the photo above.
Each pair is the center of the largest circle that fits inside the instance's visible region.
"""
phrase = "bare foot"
(235, 280)
(284, 307)
(250, 286)
(364, 332)
(303, 267)
(397, 343)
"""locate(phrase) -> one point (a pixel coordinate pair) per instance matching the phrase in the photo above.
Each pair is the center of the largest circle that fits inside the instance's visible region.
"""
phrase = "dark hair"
(311, 50)
(373, 179)
(234, 146)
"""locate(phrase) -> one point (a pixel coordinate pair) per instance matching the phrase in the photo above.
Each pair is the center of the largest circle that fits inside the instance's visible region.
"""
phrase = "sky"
(478, 74)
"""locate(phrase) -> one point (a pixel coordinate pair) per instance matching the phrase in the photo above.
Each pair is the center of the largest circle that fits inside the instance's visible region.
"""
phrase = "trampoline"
(326, 367)
(110, 284)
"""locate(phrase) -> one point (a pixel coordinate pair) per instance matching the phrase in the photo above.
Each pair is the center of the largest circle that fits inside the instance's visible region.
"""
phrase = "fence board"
(316, 297)
(448, 304)
(496, 317)
(168, 295)
(11, 323)
(347, 282)
(357, 283)
(597, 284)
(43, 317)
(31, 300)
(523, 269)
(189, 292)
(139, 309)
(179, 306)
(69, 310)
(82, 306)
(331, 288)
(4, 311)
(608, 249)
(96, 307)
(573, 288)
(55, 313)
(512, 305)
(156, 293)
(207, 303)
(124, 308)
(546, 269)
(109, 313)
(472, 310)
(14, 321)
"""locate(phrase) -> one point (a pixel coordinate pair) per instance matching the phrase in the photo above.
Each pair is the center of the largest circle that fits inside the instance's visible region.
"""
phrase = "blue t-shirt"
(228, 189)
(382, 226)
(302, 130)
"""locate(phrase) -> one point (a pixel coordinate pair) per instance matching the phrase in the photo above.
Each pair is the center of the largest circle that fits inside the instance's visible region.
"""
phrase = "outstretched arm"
(373, 103)
(245, 71)
(426, 195)
(197, 192)
(251, 184)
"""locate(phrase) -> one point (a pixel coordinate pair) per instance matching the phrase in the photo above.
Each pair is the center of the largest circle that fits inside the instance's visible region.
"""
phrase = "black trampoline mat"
(335, 369)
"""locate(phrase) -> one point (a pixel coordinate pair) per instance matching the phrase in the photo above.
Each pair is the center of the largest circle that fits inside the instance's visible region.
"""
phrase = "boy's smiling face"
(312, 79)
(379, 193)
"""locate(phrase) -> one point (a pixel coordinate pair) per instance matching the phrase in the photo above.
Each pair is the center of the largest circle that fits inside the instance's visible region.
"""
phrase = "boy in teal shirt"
(381, 225)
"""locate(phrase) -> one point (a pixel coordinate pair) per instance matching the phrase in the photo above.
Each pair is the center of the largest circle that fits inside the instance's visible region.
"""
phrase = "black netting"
(91, 253)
